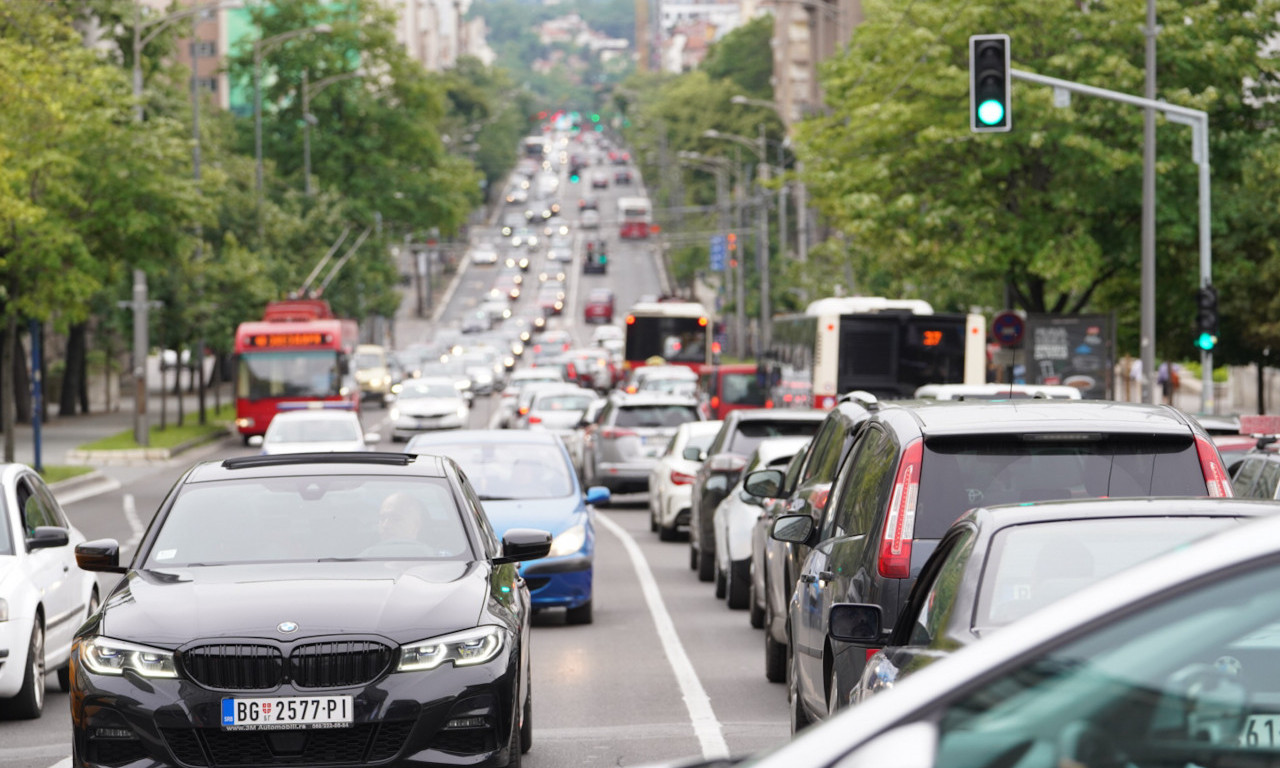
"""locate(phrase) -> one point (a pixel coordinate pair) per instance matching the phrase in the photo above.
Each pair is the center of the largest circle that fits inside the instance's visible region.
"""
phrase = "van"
(725, 388)
(372, 373)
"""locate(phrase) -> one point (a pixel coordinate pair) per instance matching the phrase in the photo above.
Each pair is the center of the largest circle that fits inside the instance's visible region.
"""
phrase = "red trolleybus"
(296, 357)
(678, 332)
(635, 218)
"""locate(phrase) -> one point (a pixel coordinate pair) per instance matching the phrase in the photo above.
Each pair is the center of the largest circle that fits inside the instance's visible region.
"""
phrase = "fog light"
(113, 733)
(466, 722)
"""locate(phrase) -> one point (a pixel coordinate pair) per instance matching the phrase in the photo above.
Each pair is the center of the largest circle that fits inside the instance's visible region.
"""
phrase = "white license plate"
(1261, 731)
(287, 712)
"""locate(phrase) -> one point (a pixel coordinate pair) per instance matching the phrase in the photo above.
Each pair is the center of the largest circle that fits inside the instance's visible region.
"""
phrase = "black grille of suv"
(250, 667)
(238, 666)
(337, 664)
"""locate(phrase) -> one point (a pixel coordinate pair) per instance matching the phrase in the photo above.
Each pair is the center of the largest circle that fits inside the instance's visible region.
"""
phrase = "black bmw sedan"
(308, 609)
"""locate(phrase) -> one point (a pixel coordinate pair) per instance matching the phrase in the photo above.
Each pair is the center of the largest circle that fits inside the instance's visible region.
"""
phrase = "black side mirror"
(47, 536)
(764, 483)
(856, 623)
(101, 555)
(793, 529)
(523, 544)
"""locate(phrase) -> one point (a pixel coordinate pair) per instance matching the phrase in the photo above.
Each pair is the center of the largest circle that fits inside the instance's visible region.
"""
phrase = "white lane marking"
(135, 522)
(105, 485)
(63, 763)
(705, 726)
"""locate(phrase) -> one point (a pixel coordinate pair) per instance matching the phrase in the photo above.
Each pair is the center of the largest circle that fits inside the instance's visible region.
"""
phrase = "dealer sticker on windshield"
(287, 712)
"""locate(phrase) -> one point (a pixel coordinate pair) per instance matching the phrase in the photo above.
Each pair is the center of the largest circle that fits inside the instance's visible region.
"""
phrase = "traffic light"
(573, 177)
(732, 240)
(1207, 318)
(990, 110)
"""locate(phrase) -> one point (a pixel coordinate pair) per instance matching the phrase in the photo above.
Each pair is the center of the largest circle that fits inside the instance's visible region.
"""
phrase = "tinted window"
(1030, 566)
(1268, 480)
(750, 433)
(823, 443)
(869, 475)
(35, 509)
(741, 389)
(310, 519)
(957, 475)
(563, 402)
(655, 415)
(936, 606)
(1246, 477)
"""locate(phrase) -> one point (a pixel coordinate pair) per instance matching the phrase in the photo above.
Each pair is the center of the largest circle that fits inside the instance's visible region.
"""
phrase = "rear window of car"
(1030, 566)
(741, 389)
(654, 415)
(957, 475)
(751, 433)
(563, 403)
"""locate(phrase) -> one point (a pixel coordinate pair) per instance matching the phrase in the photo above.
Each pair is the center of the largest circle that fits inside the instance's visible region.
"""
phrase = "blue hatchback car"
(525, 479)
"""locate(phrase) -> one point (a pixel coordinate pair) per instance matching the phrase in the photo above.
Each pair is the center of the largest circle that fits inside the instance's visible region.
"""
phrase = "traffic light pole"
(1199, 122)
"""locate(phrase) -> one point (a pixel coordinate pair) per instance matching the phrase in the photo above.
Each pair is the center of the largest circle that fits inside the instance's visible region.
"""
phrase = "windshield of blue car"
(1030, 566)
(501, 471)
(310, 519)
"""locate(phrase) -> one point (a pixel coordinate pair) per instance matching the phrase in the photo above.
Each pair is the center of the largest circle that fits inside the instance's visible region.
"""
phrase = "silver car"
(629, 436)
(560, 410)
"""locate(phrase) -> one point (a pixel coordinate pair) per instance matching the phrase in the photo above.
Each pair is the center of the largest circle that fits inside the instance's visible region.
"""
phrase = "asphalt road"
(665, 671)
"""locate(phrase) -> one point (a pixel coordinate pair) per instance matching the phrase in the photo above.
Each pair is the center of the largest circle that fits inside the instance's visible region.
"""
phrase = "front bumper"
(410, 426)
(15, 641)
(560, 582)
(401, 719)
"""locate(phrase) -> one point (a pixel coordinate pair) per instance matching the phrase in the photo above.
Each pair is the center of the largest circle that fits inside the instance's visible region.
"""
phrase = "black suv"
(311, 608)
(804, 489)
(916, 467)
(723, 463)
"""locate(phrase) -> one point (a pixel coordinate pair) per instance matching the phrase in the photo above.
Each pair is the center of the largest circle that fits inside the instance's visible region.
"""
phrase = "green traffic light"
(990, 112)
(573, 178)
(1206, 341)
(595, 118)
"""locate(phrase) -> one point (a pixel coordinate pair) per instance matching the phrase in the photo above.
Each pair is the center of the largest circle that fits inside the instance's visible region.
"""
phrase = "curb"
(77, 482)
(141, 455)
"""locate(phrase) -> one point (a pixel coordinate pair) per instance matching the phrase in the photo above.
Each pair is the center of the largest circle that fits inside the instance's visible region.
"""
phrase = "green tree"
(736, 58)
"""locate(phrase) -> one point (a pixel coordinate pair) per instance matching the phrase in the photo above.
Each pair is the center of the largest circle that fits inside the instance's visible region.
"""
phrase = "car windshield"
(655, 415)
(500, 471)
(310, 519)
(284, 430)
(959, 474)
(1030, 566)
(368, 360)
(413, 390)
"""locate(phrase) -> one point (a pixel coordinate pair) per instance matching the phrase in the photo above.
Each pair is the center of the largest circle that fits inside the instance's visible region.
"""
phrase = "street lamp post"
(720, 167)
(259, 48)
(309, 90)
(802, 201)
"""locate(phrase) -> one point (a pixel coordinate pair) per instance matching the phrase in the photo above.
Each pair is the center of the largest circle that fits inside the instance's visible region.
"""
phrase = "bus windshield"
(289, 374)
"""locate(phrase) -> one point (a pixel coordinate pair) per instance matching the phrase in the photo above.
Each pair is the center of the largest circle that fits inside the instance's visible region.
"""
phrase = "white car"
(735, 519)
(428, 404)
(560, 410)
(506, 413)
(590, 219)
(44, 595)
(560, 254)
(671, 479)
(484, 254)
(314, 430)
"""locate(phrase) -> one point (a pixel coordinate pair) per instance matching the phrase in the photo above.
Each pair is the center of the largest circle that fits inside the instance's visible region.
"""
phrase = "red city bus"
(635, 218)
(678, 332)
(297, 357)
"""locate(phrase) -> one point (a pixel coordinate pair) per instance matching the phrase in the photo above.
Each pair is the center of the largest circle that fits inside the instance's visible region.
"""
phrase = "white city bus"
(889, 347)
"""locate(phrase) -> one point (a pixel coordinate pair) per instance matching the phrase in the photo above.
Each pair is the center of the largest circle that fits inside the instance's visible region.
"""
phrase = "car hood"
(552, 515)
(429, 406)
(167, 608)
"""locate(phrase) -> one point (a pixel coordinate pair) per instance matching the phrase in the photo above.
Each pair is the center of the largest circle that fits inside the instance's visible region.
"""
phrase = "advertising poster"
(1076, 350)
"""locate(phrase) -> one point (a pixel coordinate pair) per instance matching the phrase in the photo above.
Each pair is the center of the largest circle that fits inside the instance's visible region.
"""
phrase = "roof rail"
(385, 458)
(861, 397)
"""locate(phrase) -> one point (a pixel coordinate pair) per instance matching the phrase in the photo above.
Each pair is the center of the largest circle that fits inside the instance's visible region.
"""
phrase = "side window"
(825, 466)
(1246, 476)
(822, 445)
(867, 481)
(488, 539)
(936, 605)
(56, 514)
(1268, 479)
(34, 512)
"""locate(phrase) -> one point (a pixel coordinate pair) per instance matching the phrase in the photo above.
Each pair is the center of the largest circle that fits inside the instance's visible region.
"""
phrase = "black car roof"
(937, 418)
(302, 464)
(1004, 515)
(776, 414)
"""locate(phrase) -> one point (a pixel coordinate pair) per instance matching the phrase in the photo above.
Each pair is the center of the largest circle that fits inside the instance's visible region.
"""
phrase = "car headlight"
(112, 657)
(462, 412)
(568, 541)
(464, 649)
(394, 414)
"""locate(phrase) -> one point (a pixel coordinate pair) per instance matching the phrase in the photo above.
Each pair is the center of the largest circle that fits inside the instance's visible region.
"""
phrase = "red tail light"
(726, 462)
(715, 402)
(573, 372)
(819, 498)
(768, 403)
(535, 419)
(1215, 477)
(900, 523)
(680, 478)
(872, 652)
(613, 433)
(631, 319)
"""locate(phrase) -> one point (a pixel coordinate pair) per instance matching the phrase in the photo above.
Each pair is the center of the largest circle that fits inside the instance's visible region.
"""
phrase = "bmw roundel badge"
(287, 626)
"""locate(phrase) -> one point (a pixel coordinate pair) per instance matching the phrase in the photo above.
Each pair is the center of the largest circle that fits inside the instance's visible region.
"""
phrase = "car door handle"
(825, 576)
(807, 578)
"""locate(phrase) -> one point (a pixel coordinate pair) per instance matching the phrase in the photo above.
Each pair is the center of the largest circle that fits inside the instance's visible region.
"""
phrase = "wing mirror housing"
(523, 544)
(764, 483)
(861, 623)
(793, 529)
(694, 454)
(598, 494)
(101, 555)
(47, 536)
